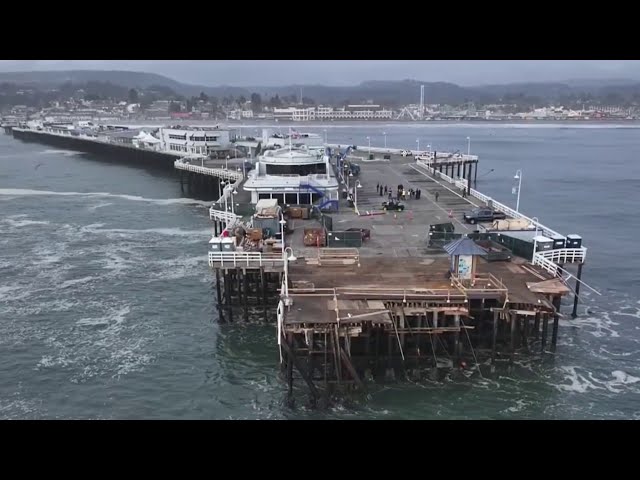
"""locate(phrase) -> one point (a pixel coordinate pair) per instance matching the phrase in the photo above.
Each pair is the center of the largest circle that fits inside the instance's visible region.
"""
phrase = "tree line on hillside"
(388, 94)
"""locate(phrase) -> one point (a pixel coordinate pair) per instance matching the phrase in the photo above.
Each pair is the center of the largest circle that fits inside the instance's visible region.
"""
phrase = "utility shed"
(464, 254)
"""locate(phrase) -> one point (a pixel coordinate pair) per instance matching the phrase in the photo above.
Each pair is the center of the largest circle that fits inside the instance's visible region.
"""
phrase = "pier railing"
(549, 259)
(223, 216)
(245, 259)
(462, 183)
(482, 283)
(236, 176)
(379, 292)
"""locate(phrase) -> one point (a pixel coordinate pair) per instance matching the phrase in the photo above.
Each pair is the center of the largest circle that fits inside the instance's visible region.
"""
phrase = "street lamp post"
(358, 185)
(518, 176)
(282, 222)
(224, 194)
(290, 258)
(325, 136)
(385, 139)
(418, 142)
(226, 163)
(535, 238)
(369, 139)
(232, 194)
(468, 146)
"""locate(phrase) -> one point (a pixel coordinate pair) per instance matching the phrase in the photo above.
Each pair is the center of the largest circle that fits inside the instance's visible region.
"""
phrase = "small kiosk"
(464, 254)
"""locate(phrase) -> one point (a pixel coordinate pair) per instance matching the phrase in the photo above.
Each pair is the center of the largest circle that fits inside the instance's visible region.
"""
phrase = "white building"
(293, 177)
(350, 112)
(192, 140)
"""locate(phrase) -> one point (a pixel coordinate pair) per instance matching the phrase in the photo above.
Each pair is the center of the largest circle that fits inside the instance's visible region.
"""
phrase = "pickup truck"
(483, 215)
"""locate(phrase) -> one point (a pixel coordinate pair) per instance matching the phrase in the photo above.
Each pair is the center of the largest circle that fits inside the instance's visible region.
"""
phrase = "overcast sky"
(348, 72)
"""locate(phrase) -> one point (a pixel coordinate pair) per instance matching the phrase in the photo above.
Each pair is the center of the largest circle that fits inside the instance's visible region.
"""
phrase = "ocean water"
(107, 304)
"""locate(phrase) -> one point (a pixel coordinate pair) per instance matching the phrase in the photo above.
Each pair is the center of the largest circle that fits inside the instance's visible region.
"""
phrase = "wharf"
(392, 307)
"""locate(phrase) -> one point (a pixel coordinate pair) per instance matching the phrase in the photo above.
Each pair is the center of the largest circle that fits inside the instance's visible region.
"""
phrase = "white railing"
(564, 255)
(215, 172)
(244, 259)
(546, 231)
(545, 264)
(222, 216)
(549, 259)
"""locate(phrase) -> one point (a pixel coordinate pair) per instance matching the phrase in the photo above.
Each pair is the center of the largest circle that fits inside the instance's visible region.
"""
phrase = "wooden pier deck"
(391, 307)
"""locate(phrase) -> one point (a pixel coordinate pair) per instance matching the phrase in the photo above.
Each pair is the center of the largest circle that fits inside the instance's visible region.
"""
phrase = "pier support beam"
(456, 341)
(227, 291)
(576, 296)
(494, 338)
(458, 169)
(263, 286)
(475, 176)
(556, 321)
(245, 281)
(514, 330)
(545, 329)
(219, 295)
(469, 180)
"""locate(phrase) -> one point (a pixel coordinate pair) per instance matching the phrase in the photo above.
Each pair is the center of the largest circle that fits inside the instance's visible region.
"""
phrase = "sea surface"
(107, 303)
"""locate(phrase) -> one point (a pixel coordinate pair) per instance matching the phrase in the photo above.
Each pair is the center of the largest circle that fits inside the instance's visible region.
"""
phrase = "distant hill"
(387, 93)
(128, 79)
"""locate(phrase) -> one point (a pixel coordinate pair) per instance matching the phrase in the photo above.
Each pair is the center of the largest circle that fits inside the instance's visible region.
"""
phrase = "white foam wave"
(13, 292)
(133, 198)
(600, 326)
(173, 232)
(24, 223)
(59, 152)
(176, 268)
(518, 407)
(75, 281)
(579, 383)
(100, 205)
(621, 381)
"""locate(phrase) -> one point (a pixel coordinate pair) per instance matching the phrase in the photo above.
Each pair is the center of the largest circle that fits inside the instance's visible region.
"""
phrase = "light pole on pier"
(518, 176)
(369, 139)
(418, 142)
(325, 136)
(468, 146)
(385, 139)
(232, 194)
(535, 238)
(224, 194)
(358, 185)
(287, 259)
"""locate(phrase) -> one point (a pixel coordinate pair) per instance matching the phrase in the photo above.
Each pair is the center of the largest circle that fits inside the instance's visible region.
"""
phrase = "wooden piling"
(494, 337)
(514, 330)
(576, 296)
(245, 281)
(545, 328)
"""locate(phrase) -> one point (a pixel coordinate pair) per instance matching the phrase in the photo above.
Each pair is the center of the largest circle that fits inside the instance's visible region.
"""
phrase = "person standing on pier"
(377, 187)
(385, 189)
(437, 194)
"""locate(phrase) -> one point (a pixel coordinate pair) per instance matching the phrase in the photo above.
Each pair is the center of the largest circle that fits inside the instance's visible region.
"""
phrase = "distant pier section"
(150, 146)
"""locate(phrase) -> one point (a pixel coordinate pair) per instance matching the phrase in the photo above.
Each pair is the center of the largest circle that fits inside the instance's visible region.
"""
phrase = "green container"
(344, 239)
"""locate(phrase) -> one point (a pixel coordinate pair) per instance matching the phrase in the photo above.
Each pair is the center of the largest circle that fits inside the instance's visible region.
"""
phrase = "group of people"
(402, 193)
